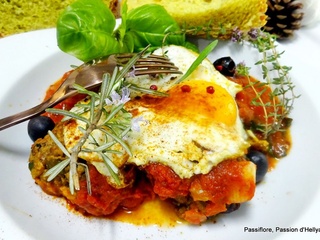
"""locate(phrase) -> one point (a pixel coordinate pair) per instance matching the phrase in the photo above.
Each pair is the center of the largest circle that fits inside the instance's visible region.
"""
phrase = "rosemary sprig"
(105, 113)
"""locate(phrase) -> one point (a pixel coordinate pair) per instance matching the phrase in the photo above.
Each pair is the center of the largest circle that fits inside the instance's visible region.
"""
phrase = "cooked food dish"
(216, 18)
(192, 148)
(19, 16)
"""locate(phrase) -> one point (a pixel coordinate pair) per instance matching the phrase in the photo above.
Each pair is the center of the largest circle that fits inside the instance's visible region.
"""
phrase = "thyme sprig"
(207, 30)
(275, 75)
(104, 112)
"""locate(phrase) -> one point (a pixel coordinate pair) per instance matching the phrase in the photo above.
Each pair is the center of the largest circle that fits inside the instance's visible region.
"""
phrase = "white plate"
(288, 197)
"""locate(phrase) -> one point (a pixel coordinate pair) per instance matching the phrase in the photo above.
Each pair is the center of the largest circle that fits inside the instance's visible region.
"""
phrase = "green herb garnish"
(204, 54)
(275, 75)
(86, 30)
(104, 112)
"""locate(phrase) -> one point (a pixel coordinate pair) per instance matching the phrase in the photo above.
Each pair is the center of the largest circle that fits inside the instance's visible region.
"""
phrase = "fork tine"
(156, 71)
(124, 58)
(130, 55)
(156, 66)
(150, 64)
(153, 60)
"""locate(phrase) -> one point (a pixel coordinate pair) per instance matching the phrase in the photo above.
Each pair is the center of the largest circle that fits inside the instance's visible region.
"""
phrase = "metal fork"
(89, 75)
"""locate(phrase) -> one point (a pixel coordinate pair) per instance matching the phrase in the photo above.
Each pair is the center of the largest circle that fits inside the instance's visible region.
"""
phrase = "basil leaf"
(151, 18)
(152, 24)
(85, 30)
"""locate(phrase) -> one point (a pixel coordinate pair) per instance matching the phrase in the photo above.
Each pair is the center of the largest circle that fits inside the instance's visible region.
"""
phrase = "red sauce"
(66, 104)
(248, 111)
(211, 192)
(105, 199)
(165, 182)
(280, 142)
(127, 202)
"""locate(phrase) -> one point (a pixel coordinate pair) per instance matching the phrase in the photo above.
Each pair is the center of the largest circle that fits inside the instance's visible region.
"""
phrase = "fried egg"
(192, 130)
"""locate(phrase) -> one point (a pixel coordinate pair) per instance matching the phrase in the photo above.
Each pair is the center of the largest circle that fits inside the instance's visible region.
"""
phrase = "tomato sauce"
(152, 212)
(250, 112)
(280, 142)
(67, 104)
(127, 202)
(155, 211)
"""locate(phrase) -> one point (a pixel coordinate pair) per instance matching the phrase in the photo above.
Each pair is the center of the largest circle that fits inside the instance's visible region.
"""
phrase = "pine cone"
(283, 17)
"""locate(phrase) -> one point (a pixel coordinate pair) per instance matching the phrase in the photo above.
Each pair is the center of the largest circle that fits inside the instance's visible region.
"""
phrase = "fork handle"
(22, 116)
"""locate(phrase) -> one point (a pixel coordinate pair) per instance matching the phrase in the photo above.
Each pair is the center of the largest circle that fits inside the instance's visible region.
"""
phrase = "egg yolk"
(198, 101)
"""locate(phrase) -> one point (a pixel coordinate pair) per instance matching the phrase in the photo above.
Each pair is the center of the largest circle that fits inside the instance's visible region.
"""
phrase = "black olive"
(232, 207)
(261, 161)
(39, 126)
(225, 66)
(286, 123)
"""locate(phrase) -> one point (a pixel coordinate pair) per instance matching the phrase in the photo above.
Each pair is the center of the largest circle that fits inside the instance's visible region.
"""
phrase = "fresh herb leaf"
(148, 25)
(208, 49)
(106, 114)
(86, 30)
